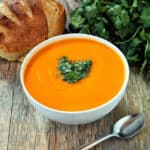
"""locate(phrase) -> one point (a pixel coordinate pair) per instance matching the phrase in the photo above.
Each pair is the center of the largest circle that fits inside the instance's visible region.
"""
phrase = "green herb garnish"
(73, 71)
(123, 22)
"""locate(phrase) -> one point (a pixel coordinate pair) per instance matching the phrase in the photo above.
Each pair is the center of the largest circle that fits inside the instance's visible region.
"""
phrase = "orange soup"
(103, 82)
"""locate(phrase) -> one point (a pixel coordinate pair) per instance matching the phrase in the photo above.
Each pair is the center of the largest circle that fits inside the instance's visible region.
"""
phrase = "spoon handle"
(87, 147)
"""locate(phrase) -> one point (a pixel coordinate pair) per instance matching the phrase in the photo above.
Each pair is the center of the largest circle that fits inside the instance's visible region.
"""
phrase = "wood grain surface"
(23, 128)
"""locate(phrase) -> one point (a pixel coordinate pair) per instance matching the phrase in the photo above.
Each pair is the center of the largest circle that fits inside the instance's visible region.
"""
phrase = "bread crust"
(34, 21)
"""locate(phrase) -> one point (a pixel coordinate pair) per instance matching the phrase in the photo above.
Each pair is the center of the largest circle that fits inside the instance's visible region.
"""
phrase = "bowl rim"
(38, 47)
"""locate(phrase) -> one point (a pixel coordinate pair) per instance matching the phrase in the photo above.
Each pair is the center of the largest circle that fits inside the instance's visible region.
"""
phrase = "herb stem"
(107, 3)
(126, 41)
(143, 66)
(146, 47)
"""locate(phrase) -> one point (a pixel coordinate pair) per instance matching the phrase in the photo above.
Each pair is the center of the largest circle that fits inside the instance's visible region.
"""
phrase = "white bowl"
(77, 117)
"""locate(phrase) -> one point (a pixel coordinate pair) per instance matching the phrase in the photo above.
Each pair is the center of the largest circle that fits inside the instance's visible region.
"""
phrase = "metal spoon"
(124, 128)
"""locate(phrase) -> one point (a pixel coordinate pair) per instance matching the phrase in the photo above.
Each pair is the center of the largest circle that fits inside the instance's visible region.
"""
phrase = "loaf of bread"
(25, 23)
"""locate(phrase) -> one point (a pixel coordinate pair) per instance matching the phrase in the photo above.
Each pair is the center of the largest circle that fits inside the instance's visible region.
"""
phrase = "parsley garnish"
(73, 71)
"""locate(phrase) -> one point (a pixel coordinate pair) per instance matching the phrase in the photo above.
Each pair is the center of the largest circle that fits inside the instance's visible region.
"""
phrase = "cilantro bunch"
(73, 71)
(125, 23)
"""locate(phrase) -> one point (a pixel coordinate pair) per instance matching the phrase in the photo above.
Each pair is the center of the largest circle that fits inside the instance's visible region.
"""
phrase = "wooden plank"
(28, 128)
(7, 77)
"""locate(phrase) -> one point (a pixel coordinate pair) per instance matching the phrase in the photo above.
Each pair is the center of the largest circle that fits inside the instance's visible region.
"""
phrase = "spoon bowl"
(129, 126)
(125, 128)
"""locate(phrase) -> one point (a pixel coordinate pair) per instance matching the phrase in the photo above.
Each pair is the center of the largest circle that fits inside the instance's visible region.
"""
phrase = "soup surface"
(103, 82)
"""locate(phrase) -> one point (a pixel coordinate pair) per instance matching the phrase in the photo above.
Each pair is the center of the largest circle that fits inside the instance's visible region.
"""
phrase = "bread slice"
(25, 23)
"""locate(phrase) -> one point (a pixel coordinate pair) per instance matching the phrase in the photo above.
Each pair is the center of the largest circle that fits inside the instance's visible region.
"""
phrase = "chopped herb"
(73, 71)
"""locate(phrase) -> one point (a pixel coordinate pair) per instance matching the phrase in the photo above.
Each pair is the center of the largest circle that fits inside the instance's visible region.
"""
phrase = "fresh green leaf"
(147, 35)
(85, 2)
(77, 21)
(118, 16)
(64, 66)
(71, 77)
(85, 29)
(126, 32)
(91, 11)
(135, 42)
(145, 16)
(100, 30)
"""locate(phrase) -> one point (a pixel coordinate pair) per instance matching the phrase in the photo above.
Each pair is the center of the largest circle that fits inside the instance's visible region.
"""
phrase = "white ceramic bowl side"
(77, 117)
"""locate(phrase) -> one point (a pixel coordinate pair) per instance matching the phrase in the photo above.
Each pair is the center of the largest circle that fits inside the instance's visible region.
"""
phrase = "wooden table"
(23, 128)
